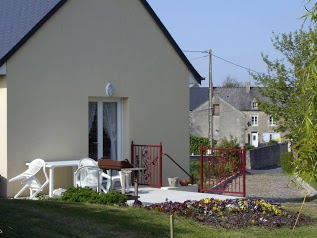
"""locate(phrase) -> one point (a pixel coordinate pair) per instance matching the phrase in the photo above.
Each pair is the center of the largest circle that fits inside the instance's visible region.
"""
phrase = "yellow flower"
(207, 200)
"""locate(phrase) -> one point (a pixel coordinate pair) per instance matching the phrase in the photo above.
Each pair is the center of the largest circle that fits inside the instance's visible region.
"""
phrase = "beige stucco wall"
(3, 135)
(85, 45)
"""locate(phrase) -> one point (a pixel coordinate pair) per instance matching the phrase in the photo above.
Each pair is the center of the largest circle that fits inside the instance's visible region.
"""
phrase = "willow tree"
(290, 94)
(306, 145)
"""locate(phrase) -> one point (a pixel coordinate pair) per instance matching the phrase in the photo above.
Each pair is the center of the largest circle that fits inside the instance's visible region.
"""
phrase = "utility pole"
(210, 116)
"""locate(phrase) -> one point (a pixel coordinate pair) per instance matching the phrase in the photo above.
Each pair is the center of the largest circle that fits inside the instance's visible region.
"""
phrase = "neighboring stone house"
(235, 112)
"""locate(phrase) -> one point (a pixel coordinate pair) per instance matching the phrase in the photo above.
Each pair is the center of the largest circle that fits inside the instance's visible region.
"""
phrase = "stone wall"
(263, 157)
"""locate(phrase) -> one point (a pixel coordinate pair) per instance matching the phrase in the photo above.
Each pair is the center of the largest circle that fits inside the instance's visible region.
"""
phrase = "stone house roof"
(238, 97)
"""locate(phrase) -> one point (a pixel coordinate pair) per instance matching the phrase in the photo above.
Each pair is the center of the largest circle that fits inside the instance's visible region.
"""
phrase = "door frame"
(257, 140)
(100, 102)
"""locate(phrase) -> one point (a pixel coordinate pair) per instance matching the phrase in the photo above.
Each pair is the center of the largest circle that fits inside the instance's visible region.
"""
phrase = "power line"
(196, 51)
(199, 57)
(218, 57)
(235, 64)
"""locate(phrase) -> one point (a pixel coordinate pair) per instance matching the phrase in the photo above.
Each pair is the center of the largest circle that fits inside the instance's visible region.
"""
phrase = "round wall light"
(109, 89)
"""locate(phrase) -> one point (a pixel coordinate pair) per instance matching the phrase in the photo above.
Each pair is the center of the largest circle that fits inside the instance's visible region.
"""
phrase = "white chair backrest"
(88, 176)
(87, 162)
(35, 166)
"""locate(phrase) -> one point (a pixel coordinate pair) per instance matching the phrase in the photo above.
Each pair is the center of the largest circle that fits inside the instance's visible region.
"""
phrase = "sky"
(237, 31)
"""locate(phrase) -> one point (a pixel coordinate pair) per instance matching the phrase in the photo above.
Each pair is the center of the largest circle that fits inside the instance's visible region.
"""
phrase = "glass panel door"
(104, 129)
(110, 130)
(93, 131)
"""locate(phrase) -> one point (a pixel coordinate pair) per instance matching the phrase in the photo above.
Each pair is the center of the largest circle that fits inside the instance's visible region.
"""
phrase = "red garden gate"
(149, 157)
(222, 170)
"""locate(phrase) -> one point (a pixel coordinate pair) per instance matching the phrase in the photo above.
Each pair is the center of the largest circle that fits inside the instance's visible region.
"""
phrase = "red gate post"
(201, 168)
(161, 165)
(243, 170)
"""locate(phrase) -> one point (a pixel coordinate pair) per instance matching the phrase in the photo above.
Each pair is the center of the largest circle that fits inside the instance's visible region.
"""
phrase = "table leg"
(51, 182)
(74, 170)
(136, 188)
(122, 174)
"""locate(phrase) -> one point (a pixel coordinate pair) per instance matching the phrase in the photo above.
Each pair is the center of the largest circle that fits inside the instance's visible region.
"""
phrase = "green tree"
(289, 93)
(280, 88)
(230, 82)
(228, 142)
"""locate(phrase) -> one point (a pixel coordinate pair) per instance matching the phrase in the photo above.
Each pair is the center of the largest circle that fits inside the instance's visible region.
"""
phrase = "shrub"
(87, 195)
(195, 143)
(249, 147)
(194, 168)
(272, 142)
(286, 162)
(231, 142)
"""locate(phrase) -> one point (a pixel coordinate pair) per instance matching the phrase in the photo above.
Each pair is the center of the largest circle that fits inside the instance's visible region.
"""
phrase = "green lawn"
(57, 219)
(313, 184)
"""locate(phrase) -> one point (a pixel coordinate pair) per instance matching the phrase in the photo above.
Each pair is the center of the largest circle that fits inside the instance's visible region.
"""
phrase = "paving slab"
(150, 195)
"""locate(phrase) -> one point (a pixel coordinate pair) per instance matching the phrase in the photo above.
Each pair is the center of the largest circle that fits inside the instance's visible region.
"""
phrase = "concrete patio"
(150, 195)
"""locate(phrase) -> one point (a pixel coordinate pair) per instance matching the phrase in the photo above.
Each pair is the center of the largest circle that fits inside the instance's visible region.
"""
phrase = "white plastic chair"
(29, 179)
(88, 176)
(115, 178)
(109, 179)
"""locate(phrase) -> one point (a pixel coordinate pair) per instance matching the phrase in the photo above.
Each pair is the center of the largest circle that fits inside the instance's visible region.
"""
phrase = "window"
(271, 136)
(254, 105)
(216, 110)
(254, 120)
(271, 121)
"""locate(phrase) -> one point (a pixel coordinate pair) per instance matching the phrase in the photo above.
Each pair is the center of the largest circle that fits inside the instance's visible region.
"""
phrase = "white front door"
(104, 119)
(255, 139)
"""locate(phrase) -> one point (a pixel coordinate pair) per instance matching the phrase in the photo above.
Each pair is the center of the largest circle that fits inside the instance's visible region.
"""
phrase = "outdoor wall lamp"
(109, 89)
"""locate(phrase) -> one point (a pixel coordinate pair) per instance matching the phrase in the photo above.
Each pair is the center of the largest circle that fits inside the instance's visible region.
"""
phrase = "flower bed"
(233, 213)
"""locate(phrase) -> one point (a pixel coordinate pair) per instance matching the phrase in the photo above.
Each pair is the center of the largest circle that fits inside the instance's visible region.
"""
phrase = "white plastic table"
(51, 165)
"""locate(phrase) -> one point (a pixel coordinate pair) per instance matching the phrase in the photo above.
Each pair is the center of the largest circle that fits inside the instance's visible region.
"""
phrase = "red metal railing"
(222, 170)
(191, 177)
(149, 157)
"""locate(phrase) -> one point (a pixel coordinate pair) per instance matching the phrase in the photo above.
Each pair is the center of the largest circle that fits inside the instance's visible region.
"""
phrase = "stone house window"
(271, 121)
(254, 120)
(216, 109)
(254, 105)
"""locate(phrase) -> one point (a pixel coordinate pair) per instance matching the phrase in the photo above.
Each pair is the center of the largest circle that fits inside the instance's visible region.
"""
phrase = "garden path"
(273, 185)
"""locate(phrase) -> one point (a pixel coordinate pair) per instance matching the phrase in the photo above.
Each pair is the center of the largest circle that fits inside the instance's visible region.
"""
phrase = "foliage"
(311, 13)
(40, 196)
(290, 95)
(231, 142)
(287, 162)
(87, 195)
(196, 142)
(230, 82)
(280, 87)
(249, 147)
(272, 142)
(232, 213)
(194, 168)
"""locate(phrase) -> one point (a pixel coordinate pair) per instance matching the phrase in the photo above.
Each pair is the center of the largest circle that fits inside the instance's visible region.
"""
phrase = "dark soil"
(234, 213)
(243, 220)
